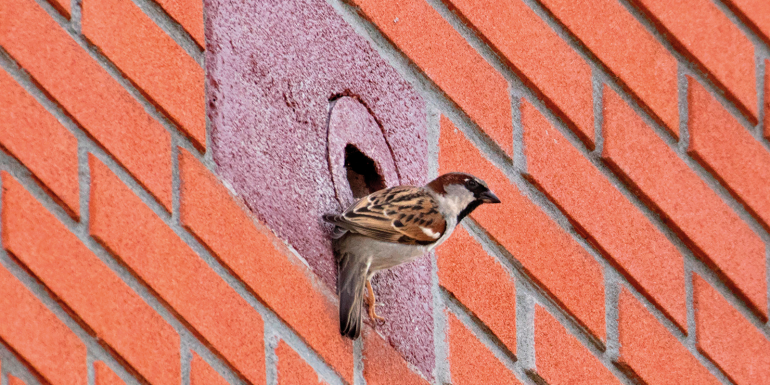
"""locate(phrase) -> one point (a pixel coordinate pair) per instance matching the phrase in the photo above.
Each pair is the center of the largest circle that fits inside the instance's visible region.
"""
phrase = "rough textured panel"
(203, 374)
(14, 381)
(719, 142)
(470, 361)
(160, 67)
(694, 210)
(420, 32)
(33, 136)
(104, 376)
(727, 338)
(28, 327)
(548, 253)
(479, 281)
(618, 228)
(539, 54)
(128, 228)
(272, 68)
(561, 359)
(96, 101)
(623, 45)
(652, 352)
(188, 13)
(292, 370)
(117, 315)
(714, 40)
(263, 262)
(382, 364)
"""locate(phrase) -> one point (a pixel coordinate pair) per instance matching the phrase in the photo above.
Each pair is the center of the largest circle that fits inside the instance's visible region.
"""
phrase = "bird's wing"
(403, 214)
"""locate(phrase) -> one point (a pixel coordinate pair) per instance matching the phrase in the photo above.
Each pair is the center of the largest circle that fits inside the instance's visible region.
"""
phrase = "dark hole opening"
(362, 173)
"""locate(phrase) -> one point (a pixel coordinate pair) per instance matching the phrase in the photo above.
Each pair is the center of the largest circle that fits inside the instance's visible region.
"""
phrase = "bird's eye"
(472, 183)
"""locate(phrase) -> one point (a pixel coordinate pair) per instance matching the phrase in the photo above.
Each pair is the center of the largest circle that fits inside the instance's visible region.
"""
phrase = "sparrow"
(394, 226)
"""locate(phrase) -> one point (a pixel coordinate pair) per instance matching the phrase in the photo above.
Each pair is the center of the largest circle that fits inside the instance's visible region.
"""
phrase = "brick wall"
(627, 139)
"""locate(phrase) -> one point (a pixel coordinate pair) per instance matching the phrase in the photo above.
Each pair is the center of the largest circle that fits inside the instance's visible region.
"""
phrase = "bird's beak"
(489, 197)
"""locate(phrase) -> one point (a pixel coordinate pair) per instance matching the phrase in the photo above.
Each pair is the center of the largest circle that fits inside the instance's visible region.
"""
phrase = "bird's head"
(460, 193)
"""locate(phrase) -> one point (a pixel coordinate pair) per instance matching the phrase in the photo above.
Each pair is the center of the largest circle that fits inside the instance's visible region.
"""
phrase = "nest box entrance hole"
(361, 172)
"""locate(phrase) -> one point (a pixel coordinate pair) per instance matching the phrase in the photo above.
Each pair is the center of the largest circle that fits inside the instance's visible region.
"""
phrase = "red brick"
(560, 357)
(292, 369)
(35, 333)
(633, 149)
(627, 49)
(480, 283)
(550, 255)
(428, 40)
(116, 314)
(151, 58)
(729, 339)
(14, 381)
(470, 361)
(203, 374)
(130, 230)
(600, 211)
(104, 376)
(382, 363)
(721, 144)
(757, 11)
(539, 54)
(38, 140)
(88, 93)
(653, 352)
(714, 40)
(188, 13)
(274, 273)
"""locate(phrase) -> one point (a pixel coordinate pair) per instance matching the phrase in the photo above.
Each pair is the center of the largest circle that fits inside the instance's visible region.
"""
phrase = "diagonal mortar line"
(173, 29)
(481, 332)
(150, 107)
(15, 365)
(748, 27)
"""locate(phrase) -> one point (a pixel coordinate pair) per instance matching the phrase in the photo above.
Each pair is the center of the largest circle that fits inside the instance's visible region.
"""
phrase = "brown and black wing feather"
(403, 214)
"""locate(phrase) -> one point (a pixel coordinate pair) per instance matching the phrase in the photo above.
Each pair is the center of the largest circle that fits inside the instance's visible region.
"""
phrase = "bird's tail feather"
(350, 287)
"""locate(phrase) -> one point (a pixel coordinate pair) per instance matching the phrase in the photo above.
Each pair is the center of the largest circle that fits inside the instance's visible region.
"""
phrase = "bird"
(393, 226)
